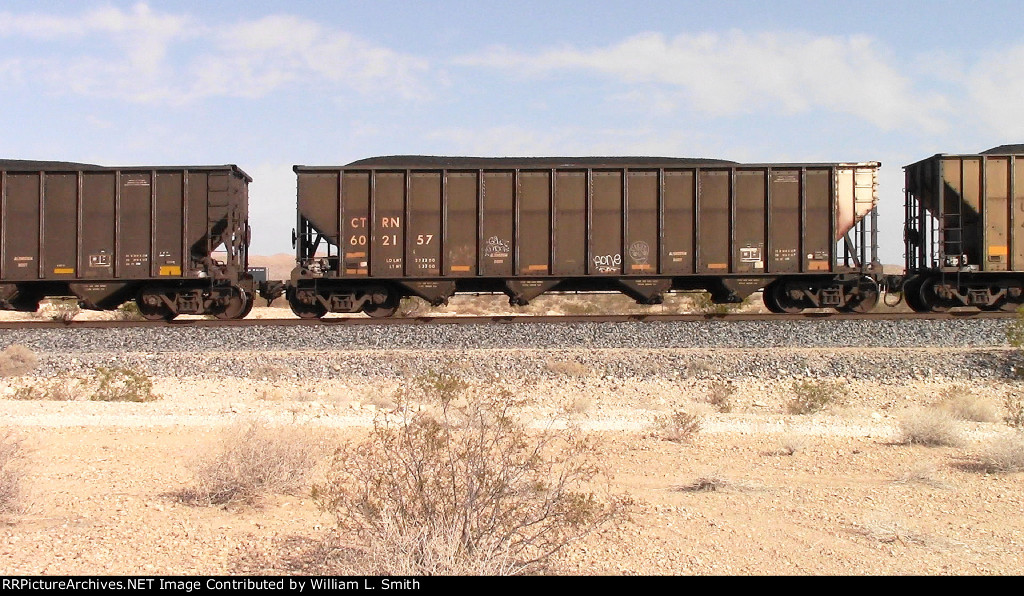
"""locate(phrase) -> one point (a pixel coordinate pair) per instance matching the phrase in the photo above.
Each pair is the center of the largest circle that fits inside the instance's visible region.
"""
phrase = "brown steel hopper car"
(964, 234)
(379, 229)
(109, 235)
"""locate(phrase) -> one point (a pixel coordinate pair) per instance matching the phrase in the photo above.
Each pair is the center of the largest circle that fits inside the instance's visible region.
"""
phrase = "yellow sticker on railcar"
(998, 250)
(718, 265)
(170, 270)
(63, 270)
(460, 267)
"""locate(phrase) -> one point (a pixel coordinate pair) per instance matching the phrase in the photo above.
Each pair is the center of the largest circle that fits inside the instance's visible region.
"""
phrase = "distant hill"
(279, 266)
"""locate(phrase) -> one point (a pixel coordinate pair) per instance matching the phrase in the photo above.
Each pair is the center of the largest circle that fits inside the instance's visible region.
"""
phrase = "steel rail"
(510, 319)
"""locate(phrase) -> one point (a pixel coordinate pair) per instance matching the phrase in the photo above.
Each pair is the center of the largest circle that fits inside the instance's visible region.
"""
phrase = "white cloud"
(140, 55)
(995, 90)
(737, 72)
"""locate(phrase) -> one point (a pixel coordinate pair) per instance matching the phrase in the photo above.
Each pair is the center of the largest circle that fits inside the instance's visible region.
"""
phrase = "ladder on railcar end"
(951, 239)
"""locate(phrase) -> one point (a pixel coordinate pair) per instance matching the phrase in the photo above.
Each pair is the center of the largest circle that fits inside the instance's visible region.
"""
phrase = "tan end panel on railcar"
(318, 202)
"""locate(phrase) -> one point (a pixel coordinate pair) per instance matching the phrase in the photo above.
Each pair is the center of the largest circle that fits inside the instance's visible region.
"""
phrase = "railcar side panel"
(1017, 214)
(713, 237)
(570, 223)
(461, 224)
(96, 257)
(818, 221)
(60, 230)
(997, 214)
(497, 224)
(533, 221)
(388, 232)
(423, 237)
(784, 228)
(355, 210)
(749, 222)
(678, 223)
(135, 223)
(21, 226)
(606, 208)
(642, 245)
(168, 195)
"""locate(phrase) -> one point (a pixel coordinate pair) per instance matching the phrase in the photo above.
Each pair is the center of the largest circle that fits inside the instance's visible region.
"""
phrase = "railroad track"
(510, 319)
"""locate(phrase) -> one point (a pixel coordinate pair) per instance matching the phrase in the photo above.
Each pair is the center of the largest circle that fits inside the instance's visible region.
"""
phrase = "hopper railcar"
(964, 231)
(380, 229)
(107, 235)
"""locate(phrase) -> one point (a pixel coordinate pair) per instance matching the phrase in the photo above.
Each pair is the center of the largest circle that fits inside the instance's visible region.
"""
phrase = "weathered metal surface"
(77, 229)
(399, 217)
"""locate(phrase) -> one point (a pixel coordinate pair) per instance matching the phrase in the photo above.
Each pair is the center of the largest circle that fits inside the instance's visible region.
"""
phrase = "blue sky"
(267, 85)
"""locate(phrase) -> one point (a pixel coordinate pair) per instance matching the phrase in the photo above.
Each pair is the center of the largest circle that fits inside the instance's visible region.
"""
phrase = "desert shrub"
(49, 390)
(104, 384)
(63, 310)
(569, 368)
(12, 473)
(16, 360)
(255, 460)
(583, 404)
(791, 442)
(933, 427)
(810, 396)
(269, 371)
(1004, 454)
(720, 396)
(962, 404)
(129, 311)
(412, 306)
(585, 306)
(121, 383)
(679, 427)
(1014, 411)
(463, 488)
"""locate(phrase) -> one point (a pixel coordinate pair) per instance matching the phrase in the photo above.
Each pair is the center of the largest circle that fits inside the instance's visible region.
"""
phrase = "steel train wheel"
(1007, 306)
(155, 313)
(309, 311)
(912, 294)
(384, 310)
(868, 292)
(781, 297)
(238, 305)
(930, 300)
(768, 297)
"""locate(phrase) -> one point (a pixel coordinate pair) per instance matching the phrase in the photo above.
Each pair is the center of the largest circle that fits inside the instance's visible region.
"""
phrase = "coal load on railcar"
(964, 231)
(379, 229)
(107, 235)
